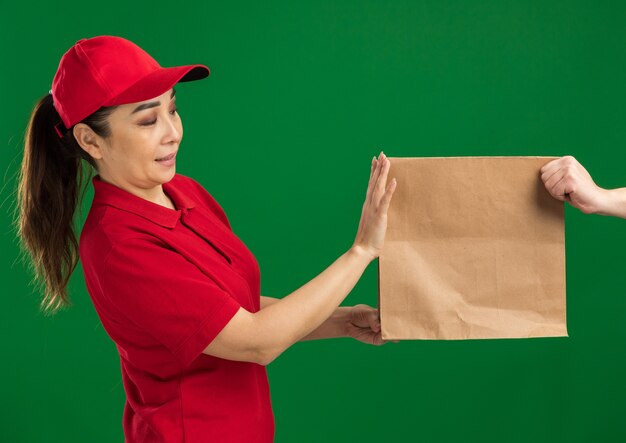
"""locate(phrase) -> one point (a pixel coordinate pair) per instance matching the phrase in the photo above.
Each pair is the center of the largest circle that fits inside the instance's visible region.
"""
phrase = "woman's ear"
(88, 140)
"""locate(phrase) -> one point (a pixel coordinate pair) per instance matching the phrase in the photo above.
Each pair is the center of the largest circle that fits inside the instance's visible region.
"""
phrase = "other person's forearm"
(613, 203)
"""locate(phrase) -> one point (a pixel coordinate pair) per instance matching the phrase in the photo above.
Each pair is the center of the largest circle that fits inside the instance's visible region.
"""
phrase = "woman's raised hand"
(370, 235)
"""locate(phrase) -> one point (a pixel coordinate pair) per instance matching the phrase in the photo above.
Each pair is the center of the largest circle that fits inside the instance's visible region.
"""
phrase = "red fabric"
(164, 283)
(108, 70)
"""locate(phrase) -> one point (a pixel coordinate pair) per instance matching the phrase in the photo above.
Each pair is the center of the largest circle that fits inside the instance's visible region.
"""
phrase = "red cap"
(107, 70)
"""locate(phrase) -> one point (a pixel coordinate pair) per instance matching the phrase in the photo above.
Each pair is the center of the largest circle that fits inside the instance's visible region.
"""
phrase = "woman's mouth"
(168, 160)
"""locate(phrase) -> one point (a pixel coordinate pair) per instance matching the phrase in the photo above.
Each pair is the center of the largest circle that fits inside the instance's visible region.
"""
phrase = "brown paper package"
(475, 248)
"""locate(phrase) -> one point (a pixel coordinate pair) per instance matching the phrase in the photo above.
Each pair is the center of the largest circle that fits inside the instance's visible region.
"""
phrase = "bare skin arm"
(361, 322)
(262, 336)
(567, 180)
(334, 326)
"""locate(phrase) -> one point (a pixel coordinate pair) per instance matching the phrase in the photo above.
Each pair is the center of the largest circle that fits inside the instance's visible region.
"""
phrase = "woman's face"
(142, 133)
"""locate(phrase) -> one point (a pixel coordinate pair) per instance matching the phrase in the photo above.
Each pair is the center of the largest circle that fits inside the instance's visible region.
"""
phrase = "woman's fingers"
(372, 319)
(373, 167)
(374, 176)
(381, 180)
(384, 203)
(374, 180)
(370, 184)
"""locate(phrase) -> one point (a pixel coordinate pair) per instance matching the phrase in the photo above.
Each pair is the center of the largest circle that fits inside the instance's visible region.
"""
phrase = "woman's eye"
(173, 111)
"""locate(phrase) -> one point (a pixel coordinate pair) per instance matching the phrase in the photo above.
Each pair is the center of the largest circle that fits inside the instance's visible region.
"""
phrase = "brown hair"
(47, 196)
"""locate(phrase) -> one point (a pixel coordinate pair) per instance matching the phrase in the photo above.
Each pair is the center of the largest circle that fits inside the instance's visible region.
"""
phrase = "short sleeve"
(166, 295)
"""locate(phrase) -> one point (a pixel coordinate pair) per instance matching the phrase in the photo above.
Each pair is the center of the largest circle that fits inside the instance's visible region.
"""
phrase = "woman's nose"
(174, 129)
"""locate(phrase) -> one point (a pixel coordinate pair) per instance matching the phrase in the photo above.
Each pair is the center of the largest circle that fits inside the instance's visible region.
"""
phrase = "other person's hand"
(567, 180)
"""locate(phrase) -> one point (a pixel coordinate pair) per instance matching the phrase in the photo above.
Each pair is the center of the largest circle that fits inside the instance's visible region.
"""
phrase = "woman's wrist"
(361, 252)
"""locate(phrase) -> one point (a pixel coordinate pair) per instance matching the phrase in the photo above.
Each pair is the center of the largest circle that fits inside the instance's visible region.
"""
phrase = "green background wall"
(301, 95)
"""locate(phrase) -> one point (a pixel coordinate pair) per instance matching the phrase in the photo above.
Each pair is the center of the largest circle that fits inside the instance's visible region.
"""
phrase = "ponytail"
(48, 187)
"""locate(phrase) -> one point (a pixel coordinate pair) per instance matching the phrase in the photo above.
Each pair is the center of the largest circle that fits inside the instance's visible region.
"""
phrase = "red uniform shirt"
(164, 283)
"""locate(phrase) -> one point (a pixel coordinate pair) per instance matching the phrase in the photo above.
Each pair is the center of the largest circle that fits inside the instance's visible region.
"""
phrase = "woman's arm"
(262, 336)
(333, 327)
(266, 301)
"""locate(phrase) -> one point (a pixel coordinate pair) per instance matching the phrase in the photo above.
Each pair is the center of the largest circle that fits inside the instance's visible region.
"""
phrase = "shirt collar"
(108, 194)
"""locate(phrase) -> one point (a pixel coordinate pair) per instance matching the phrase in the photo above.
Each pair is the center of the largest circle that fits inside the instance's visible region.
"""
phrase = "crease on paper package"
(475, 248)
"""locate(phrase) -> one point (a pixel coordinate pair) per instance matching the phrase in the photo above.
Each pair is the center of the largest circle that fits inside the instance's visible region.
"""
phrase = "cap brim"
(157, 82)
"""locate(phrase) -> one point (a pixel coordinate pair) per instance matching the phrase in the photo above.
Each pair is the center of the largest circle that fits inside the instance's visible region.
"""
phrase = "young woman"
(175, 288)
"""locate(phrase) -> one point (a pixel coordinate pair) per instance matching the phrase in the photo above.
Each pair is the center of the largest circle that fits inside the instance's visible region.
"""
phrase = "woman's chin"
(167, 173)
